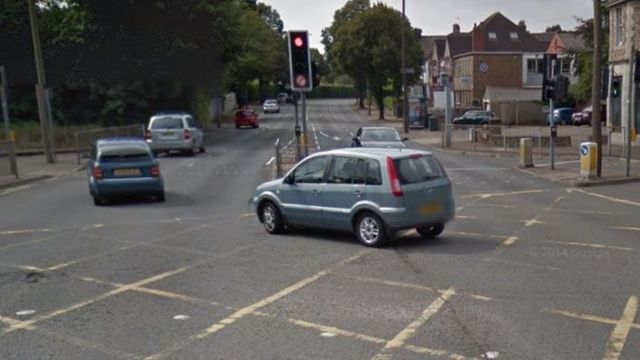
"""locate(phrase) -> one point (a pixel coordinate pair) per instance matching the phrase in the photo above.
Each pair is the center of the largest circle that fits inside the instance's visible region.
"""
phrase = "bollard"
(472, 134)
(526, 152)
(588, 160)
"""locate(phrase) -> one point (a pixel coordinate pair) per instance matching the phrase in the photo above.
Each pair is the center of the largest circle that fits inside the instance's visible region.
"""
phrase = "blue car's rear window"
(124, 158)
(417, 169)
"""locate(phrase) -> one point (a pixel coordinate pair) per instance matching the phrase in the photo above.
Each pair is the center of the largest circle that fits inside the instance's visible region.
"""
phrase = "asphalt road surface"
(528, 270)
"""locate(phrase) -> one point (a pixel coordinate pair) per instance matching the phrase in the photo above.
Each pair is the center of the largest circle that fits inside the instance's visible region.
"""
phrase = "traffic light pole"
(297, 128)
(552, 140)
(305, 138)
(632, 116)
(405, 101)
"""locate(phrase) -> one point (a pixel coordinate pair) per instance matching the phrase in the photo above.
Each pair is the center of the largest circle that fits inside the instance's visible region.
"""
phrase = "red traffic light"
(298, 41)
(301, 81)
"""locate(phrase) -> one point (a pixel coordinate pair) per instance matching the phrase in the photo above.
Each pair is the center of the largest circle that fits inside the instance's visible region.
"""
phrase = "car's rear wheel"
(370, 230)
(98, 201)
(271, 218)
(429, 232)
(160, 196)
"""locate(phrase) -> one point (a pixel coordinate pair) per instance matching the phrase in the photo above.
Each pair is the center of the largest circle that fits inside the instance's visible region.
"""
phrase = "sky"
(437, 17)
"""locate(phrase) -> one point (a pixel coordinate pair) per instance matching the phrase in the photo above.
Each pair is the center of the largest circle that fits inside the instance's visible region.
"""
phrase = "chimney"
(456, 29)
(523, 25)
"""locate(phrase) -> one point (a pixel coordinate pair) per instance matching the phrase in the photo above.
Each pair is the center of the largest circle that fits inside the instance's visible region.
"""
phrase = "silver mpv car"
(372, 192)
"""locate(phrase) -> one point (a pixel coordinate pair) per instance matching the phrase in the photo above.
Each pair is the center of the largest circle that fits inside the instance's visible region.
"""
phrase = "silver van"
(372, 192)
(174, 132)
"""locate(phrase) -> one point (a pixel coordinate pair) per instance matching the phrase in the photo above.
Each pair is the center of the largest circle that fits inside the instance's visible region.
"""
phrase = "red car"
(246, 117)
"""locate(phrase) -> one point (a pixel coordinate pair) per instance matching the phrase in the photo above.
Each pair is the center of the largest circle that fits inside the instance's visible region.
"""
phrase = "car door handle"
(358, 193)
(315, 192)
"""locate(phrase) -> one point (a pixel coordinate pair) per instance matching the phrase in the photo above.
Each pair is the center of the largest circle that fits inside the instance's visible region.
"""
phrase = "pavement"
(530, 269)
(35, 168)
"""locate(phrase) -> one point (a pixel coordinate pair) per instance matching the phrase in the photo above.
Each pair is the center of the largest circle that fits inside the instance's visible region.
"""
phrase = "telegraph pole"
(596, 123)
(5, 106)
(45, 123)
(405, 102)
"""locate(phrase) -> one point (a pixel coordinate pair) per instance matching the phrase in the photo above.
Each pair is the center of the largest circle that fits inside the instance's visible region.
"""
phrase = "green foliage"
(367, 49)
(581, 91)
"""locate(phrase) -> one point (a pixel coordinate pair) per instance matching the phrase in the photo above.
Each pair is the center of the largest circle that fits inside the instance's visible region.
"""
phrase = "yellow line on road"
(628, 228)
(510, 241)
(517, 263)
(469, 234)
(399, 340)
(594, 318)
(597, 246)
(621, 331)
(610, 198)
(532, 222)
(24, 231)
(490, 195)
(239, 314)
(116, 291)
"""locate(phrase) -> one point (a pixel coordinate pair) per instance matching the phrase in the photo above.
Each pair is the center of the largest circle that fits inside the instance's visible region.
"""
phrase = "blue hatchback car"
(123, 167)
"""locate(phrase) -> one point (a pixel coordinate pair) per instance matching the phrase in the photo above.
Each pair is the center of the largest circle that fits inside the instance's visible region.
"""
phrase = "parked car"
(562, 116)
(585, 116)
(123, 167)
(378, 137)
(175, 131)
(476, 117)
(372, 192)
(271, 106)
(283, 98)
(246, 117)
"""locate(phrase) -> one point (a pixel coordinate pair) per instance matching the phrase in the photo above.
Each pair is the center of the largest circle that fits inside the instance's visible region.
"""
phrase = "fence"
(507, 138)
(84, 140)
(8, 163)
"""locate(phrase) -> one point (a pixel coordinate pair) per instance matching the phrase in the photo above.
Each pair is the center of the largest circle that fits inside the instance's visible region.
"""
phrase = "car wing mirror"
(405, 139)
(289, 180)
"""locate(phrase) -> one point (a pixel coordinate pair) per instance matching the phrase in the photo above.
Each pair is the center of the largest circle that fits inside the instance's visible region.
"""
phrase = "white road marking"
(25, 312)
(323, 134)
(181, 317)
(610, 198)
(273, 158)
(16, 189)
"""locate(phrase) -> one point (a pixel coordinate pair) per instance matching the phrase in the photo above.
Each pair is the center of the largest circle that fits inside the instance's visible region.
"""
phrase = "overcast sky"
(437, 17)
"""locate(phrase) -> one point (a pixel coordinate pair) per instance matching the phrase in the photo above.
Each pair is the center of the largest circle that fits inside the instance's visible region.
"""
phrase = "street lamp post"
(405, 102)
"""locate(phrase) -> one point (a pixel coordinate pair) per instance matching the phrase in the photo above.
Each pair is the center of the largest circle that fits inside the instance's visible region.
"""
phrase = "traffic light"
(561, 88)
(315, 74)
(550, 67)
(300, 61)
(615, 87)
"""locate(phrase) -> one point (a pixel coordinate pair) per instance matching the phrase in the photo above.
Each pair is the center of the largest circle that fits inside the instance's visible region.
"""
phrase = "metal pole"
(552, 152)
(5, 106)
(52, 139)
(405, 103)
(278, 164)
(448, 114)
(304, 125)
(297, 129)
(40, 93)
(631, 117)
(596, 123)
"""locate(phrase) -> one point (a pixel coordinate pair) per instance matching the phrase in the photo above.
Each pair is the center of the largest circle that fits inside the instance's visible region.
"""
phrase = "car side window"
(360, 172)
(374, 177)
(342, 170)
(312, 171)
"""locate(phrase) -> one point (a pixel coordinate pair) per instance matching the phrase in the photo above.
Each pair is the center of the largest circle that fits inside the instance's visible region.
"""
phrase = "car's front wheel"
(271, 218)
(429, 232)
(370, 230)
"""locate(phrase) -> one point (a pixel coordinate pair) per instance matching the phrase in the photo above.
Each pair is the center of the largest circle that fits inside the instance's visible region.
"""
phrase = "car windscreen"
(417, 168)
(270, 102)
(380, 135)
(167, 123)
(245, 113)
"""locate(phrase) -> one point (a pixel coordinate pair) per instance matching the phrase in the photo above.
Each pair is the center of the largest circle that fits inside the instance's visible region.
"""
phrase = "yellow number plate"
(430, 209)
(126, 172)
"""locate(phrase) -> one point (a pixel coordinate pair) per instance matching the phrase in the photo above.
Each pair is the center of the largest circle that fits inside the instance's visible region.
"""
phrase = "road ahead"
(528, 270)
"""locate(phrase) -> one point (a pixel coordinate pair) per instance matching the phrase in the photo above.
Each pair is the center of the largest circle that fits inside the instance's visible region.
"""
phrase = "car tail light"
(187, 134)
(393, 178)
(97, 173)
(147, 135)
(155, 171)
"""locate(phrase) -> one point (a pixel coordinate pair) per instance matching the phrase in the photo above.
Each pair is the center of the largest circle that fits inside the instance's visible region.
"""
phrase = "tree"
(271, 17)
(581, 91)
(554, 28)
(367, 48)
